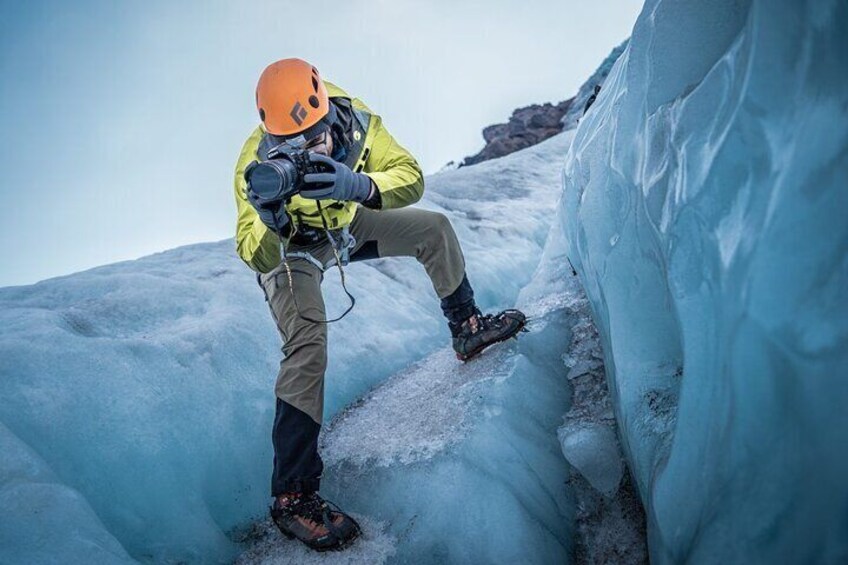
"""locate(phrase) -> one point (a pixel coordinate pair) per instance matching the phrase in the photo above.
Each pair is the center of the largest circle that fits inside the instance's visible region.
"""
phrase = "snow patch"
(414, 415)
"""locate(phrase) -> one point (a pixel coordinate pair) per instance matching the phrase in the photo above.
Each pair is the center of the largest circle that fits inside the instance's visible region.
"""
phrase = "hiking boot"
(314, 521)
(479, 332)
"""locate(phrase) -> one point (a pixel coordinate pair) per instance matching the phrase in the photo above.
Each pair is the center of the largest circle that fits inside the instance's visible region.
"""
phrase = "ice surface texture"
(141, 393)
(705, 210)
(46, 521)
(593, 450)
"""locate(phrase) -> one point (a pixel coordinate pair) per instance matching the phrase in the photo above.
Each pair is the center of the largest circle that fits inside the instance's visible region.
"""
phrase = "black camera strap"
(332, 241)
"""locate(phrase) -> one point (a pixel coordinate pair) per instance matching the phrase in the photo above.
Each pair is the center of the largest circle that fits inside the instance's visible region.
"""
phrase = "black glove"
(338, 183)
(272, 214)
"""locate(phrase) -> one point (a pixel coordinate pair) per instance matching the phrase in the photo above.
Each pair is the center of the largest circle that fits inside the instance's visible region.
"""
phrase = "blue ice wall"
(705, 209)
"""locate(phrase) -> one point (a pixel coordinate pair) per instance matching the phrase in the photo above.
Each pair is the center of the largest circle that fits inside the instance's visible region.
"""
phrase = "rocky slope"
(535, 123)
(527, 126)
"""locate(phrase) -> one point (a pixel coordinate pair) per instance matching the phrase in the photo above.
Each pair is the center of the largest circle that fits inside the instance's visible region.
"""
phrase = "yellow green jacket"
(375, 152)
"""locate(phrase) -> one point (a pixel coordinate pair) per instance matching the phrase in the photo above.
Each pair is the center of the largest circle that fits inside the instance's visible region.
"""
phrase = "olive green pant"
(410, 232)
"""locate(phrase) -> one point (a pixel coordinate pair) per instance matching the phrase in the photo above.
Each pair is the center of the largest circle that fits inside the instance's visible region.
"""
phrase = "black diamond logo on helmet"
(298, 113)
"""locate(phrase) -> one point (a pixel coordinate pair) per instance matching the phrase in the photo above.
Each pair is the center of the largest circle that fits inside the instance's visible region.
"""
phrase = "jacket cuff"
(375, 201)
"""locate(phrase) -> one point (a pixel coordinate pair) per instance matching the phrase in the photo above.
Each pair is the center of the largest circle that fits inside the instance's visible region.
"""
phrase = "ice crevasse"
(704, 206)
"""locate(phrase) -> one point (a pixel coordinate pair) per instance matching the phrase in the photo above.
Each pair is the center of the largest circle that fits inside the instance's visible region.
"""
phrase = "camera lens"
(273, 180)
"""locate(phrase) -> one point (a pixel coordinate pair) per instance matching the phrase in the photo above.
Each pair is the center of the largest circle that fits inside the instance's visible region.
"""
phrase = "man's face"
(322, 144)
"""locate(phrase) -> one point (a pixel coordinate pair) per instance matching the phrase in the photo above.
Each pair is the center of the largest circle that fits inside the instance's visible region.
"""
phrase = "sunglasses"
(300, 142)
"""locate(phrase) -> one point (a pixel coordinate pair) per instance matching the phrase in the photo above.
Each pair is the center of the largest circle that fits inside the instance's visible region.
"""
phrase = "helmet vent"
(314, 84)
(262, 114)
(313, 101)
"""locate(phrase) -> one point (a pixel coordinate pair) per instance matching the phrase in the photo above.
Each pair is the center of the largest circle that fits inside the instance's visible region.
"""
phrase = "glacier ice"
(144, 389)
(44, 518)
(593, 450)
(705, 203)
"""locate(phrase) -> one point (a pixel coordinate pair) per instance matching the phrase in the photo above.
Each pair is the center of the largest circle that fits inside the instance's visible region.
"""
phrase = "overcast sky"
(121, 121)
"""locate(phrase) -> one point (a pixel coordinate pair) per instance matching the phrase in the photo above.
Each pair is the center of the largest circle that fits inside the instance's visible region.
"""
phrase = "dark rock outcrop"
(533, 124)
(527, 126)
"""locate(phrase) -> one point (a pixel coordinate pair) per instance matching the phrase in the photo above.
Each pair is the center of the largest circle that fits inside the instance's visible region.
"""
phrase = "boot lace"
(484, 322)
(309, 506)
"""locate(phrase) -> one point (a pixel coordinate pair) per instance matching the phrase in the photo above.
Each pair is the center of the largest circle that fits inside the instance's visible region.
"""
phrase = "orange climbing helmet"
(291, 97)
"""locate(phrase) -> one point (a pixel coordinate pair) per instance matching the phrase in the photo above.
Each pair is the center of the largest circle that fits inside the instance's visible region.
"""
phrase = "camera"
(272, 182)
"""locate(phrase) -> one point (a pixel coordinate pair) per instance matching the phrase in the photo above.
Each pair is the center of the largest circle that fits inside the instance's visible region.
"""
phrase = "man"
(319, 181)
